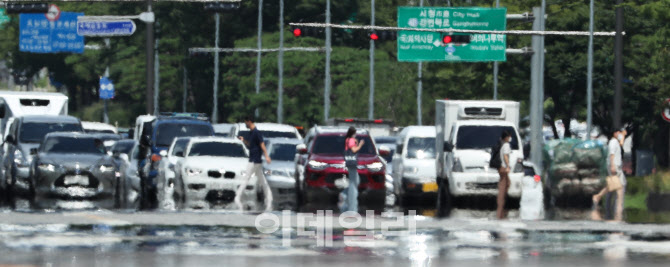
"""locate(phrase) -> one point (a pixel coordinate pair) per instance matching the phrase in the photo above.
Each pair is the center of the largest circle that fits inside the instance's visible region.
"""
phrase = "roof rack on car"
(181, 115)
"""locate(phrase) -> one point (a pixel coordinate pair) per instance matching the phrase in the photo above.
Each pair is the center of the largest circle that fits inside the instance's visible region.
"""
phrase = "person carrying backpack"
(500, 157)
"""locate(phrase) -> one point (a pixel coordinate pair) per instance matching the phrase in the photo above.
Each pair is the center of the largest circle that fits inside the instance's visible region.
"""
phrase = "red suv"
(320, 162)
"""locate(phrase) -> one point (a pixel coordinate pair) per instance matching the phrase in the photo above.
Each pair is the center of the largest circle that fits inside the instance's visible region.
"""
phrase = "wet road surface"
(106, 238)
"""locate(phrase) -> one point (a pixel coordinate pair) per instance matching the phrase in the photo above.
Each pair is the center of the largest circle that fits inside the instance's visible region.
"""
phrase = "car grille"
(481, 185)
(72, 180)
(218, 174)
(220, 196)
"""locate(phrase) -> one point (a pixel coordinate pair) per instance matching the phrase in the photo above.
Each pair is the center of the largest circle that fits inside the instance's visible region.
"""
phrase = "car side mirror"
(163, 153)
(384, 151)
(124, 157)
(448, 146)
(301, 149)
(33, 151)
(10, 139)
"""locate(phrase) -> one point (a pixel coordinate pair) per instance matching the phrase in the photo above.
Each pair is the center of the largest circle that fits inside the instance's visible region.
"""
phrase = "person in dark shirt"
(256, 147)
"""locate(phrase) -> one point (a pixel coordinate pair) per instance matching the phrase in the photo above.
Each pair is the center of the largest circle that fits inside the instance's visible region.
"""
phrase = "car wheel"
(445, 201)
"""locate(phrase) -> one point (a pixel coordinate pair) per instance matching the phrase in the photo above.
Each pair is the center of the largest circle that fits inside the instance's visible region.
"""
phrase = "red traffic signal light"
(374, 36)
(297, 32)
(446, 39)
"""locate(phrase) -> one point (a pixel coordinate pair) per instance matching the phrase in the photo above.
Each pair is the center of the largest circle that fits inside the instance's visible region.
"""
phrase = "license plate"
(76, 179)
(430, 187)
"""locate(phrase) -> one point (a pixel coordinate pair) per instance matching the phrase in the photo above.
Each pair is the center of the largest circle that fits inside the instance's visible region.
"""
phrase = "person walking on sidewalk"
(503, 171)
(615, 167)
(256, 146)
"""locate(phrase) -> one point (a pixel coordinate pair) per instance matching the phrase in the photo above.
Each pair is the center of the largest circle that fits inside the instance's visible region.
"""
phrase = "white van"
(466, 132)
(268, 130)
(414, 169)
(19, 103)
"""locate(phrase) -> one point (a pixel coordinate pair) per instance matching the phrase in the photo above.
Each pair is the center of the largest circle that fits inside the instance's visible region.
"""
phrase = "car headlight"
(375, 167)
(47, 167)
(518, 167)
(20, 160)
(411, 170)
(317, 165)
(193, 171)
(106, 168)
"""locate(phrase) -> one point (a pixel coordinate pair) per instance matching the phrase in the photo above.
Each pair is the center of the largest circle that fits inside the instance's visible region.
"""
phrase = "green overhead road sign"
(3, 17)
(417, 46)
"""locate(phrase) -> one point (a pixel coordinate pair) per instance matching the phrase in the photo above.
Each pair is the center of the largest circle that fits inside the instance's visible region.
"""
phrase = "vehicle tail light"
(349, 120)
(379, 121)
(537, 178)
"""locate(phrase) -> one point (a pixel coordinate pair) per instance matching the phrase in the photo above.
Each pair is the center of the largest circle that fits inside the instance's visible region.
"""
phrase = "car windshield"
(74, 145)
(282, 152)
(34, 132)
(123, 147)
(167, 132)
(421, 148)
(482, 137)
(334, 144)
(179, 147)
(269, 134)
(217, 149)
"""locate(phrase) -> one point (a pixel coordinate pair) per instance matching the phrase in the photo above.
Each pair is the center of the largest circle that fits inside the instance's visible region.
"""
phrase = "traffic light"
(383, 35)
(221, 6)
(308, 32)
(455, 39)
(27, 8)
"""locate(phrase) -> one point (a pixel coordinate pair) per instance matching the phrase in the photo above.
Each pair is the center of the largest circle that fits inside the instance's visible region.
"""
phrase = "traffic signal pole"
(150, 62)
(280, 66)
(326, 89)
(495, 69)
(215, 111)
(259, 43)
(371, 99)
(419, 88)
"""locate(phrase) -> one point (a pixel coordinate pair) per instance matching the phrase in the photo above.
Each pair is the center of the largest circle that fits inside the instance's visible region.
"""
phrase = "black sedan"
(73, 170)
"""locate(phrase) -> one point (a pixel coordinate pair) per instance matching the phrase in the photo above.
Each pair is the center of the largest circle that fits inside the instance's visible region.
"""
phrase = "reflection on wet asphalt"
(109, 244)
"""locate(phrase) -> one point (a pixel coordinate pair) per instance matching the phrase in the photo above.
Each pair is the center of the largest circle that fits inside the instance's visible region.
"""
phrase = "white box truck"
(19, 103)
(466, 133)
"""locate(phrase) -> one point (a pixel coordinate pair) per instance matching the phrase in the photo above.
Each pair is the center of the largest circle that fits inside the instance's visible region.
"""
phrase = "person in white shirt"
(614, 167)
(503, 184)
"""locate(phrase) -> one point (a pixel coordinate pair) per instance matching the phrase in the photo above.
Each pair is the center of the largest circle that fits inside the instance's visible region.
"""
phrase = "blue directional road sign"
(106, 28)
(106, 88)
(40, 35)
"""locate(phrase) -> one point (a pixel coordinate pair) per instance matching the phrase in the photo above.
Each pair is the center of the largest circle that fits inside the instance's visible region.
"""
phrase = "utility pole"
(280, 66)
(326, 91)
(371, 99)
(105, 116)
(215, 111)
(589, 77)
(495, 69)
(185, 85)
(618, 64)
(419, 87)
(260, 46)
(537, 91)
(156, 77)
(150, 62)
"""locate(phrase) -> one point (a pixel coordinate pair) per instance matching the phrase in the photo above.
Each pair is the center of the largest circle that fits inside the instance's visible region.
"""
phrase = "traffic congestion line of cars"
(181, 160)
